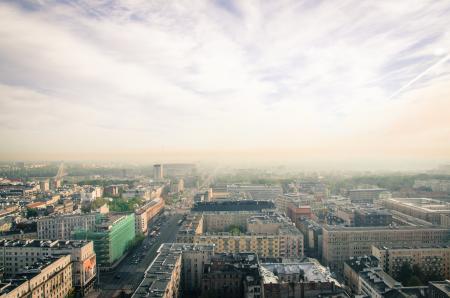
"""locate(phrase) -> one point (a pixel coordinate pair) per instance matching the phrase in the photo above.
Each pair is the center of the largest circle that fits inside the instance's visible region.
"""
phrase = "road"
(127, 275)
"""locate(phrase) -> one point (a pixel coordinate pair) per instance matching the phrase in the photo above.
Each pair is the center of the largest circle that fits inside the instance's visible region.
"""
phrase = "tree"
(31, 212)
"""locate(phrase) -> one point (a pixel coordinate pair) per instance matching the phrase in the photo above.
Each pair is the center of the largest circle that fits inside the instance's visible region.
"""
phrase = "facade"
(372, 218)
(234, 206)
(61, 226)
(111, 236)
(365, 195)
(146, 213)
(232, 275)
(51, 277)
(431, 260)
(16, 254)
(423, 208)
(259, 192)
(340, 243)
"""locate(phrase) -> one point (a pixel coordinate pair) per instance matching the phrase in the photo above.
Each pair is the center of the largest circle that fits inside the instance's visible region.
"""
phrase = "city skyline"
(229, 80)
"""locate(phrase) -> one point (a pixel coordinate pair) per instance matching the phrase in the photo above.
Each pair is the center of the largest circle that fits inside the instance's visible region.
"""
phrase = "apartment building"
(340, 243)
(61, 226)
(177, 268)
(146, 213)
(16, 254)
(431, 260)
(50, 277)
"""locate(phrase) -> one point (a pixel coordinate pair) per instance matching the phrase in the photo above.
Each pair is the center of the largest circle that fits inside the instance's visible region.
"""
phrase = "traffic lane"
(127, 281)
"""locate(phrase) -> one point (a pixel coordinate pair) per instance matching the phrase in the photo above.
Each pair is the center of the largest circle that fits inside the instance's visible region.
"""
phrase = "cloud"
(213, 75)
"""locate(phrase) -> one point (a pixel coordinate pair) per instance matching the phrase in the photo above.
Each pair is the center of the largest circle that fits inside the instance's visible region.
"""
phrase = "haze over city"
(261, 81)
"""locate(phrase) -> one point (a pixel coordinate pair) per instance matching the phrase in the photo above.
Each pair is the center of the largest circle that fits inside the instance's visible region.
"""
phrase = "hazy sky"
(309, 79)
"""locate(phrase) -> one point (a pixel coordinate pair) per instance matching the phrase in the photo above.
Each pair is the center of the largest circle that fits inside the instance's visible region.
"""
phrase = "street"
(129, 273)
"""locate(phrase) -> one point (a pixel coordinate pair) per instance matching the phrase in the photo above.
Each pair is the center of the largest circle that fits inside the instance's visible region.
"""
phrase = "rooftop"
(44, 243)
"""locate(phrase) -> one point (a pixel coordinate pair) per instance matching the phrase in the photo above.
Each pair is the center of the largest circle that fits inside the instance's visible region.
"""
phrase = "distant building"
(112, 190)
(233, 206)
(365, 195)
(259, 192)
(158, 172)
(146, 213)
(423, 208)
(44, 185)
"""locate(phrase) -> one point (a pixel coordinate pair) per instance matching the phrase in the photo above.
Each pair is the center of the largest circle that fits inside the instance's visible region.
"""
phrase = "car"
(117, 276)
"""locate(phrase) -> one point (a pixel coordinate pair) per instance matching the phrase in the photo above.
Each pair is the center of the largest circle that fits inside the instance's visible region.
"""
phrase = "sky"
(269, 80)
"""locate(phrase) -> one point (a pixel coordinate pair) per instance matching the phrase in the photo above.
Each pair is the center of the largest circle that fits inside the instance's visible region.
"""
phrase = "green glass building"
(112, 236)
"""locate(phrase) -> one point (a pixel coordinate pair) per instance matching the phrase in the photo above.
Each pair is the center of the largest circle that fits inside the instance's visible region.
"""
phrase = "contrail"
(420, 76)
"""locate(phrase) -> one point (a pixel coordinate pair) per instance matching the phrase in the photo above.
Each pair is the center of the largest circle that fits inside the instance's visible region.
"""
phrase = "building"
(44, 185)
(112, 190)
(112, 236)
(146, 213)
(372, 218)
(439, 289)
(297, 213)
(365, 195)
(234, 206)
(49, 277)
(259, 192)
(340, 243)
(193, 225)
(158, 172)
(16, 254)
(433, 261)
(62, 226)
(312, 238)
(55, 183)
(352, 268)
(268, 234)
(376, 283)
(177, 268)
(232, 275)
(299, 279)
(423, 208)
